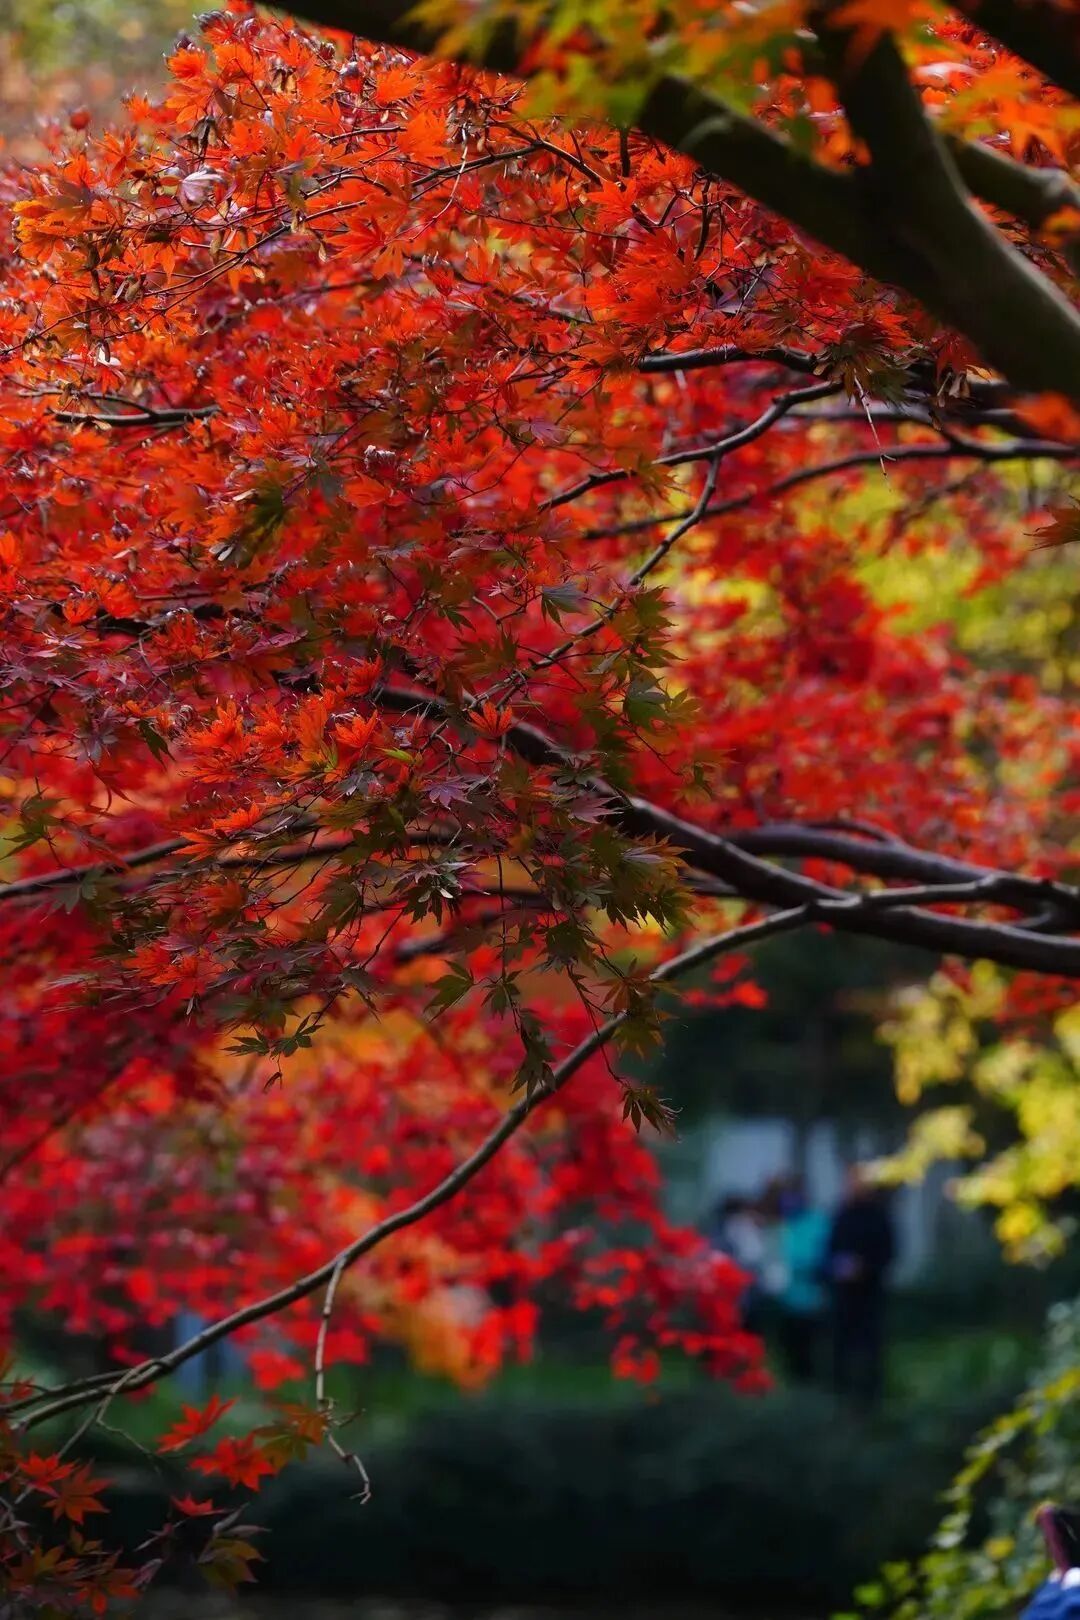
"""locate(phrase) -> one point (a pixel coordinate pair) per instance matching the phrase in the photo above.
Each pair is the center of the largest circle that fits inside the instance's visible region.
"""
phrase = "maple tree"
(460, 571)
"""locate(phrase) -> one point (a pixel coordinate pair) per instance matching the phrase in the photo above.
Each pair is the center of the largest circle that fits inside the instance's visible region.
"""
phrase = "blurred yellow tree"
(1033, 1083)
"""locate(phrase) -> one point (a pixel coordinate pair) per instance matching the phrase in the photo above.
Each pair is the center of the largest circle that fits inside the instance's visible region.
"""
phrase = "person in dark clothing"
(860, 1251)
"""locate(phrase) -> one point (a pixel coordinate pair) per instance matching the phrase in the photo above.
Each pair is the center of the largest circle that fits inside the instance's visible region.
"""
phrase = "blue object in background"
(222, 1360)
(804, 1240)
(1054, 1601)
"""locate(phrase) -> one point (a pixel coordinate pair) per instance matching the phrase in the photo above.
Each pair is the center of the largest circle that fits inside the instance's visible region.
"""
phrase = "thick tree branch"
(981, 284)
(1029, 194)
(937, 246)
(893, 858)
(1045, 33)
(759, 880)
(827, 204)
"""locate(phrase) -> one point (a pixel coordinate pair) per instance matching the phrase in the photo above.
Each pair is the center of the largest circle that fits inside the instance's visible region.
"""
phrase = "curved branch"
(896, 859)
(737, 865)
(730, 354)
(759, 880)
(714, 452)
(148, 1372)
(146, 416)
(883, 456)
(1050, 189)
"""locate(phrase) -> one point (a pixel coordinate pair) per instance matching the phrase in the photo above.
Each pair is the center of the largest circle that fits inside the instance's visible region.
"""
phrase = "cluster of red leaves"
(325, 378)
(50, 1560)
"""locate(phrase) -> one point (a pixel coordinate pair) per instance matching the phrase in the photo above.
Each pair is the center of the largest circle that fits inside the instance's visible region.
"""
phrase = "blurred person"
(739, 1233)
(802, 1235)
(861, 1248)
(1059, 1597)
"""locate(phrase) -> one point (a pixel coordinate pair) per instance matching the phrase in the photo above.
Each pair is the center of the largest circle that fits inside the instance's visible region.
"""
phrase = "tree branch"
(827, 204)
(883, 456)
(1029, 194)
(895, 859)
(1045, 33)
(155, 854)
(936, 247)
(713, 452)
(142, 417)
(148, 1372)
(759, 880)
(979, 282)
(811, 365)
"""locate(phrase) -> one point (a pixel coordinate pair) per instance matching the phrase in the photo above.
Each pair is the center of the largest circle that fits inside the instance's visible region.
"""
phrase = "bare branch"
(143, 417)
(883, 456)
(892, 858)
(729, 355)
(713, 452)
(148, 1372)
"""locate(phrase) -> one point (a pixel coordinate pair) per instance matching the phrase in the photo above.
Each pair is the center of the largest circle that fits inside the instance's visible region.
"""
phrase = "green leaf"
(555, 600)
(153, 739)
(450, 988)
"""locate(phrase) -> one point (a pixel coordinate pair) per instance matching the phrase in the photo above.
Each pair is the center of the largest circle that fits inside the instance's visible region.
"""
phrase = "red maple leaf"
(76, 1495)
(193, 1507)
(195, 1422)
(241, 1462)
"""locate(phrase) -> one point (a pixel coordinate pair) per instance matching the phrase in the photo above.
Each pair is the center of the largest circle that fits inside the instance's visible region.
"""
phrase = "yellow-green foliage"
(1029, 1455)
(938, 1035)
(52, 34)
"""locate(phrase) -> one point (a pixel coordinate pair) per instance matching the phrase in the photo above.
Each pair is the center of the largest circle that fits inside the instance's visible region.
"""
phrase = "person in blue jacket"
(1059, 1597)
(801, 1237)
